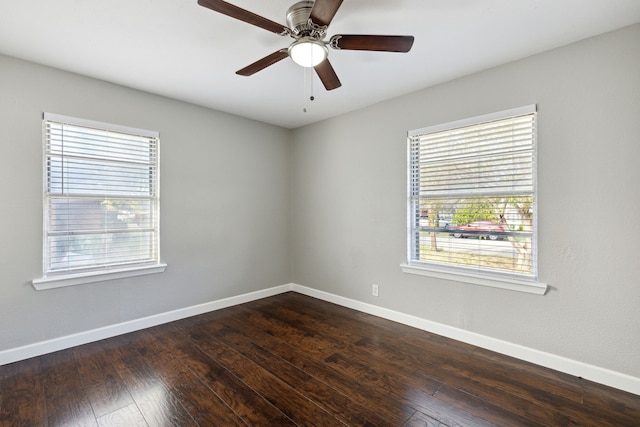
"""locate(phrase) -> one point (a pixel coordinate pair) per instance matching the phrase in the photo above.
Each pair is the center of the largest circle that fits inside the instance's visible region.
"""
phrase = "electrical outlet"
(374, 290)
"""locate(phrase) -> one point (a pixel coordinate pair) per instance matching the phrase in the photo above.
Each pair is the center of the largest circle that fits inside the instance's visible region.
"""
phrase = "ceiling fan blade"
(243, 15)
(327, 75)
(323, 11)
(263, 63)
(370, 42)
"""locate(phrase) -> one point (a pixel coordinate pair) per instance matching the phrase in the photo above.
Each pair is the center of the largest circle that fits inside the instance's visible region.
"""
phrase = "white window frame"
(476, 276)
(55, 278)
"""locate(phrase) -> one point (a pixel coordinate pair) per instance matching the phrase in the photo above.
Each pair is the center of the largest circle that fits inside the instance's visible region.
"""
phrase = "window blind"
(472, 195)
(101, 195)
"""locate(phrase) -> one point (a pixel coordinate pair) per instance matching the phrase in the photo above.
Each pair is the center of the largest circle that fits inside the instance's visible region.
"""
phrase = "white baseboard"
(49, 346)
(559, 363)
(548, 360)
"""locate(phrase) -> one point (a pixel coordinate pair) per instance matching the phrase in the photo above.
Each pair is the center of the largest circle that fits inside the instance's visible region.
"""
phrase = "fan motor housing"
(298, 17)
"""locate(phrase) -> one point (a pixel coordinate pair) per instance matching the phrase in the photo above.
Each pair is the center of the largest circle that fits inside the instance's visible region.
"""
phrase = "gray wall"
(349, 203)
(224, 205)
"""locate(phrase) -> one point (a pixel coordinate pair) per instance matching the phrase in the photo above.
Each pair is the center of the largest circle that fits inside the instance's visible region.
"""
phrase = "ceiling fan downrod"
(300, 23)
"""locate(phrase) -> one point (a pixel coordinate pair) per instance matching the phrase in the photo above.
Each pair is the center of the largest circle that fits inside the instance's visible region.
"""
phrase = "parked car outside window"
(479, 229)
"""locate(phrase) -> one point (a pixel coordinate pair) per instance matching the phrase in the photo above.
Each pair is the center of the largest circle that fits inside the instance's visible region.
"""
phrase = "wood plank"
(454, 407)
(244, 401)
(102, 384)
(129, 416)
(373, 340)
(121, 347)
(22, 395)
(369, 323)
(331, 400)
(146, 341)
(404, 386)
(169, 411)
(369, 344)
(296, 406)
(421, 420)
(591, 402)
(609, 406)
(545, 401)
(167, 394)
(205, 407)
(484, 364)
(153, 397)
(392, 410)
(107, 397)
(166, 409)
(93, 364)
(67, 402)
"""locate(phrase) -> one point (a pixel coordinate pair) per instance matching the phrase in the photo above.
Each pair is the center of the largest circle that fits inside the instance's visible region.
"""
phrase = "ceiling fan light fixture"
(308, 52)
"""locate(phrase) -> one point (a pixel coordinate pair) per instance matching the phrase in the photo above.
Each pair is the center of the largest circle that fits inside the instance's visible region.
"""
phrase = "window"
(472, 206)
(101, 200)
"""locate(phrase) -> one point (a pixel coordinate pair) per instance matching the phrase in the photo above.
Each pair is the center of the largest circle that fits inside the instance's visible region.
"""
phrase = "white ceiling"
(179, 49)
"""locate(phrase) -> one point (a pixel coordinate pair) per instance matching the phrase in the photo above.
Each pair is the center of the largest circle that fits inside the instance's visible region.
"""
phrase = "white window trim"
(52, 282)
(63, 279)
(529, 287)
(455, 273)
(520, 111)
(100, 125)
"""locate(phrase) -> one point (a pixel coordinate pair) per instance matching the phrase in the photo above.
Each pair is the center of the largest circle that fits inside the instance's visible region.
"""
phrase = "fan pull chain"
(304, 87)
(308, 75)
(311, 98)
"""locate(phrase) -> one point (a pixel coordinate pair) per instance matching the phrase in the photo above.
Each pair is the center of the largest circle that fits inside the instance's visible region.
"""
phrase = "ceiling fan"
(307, 23)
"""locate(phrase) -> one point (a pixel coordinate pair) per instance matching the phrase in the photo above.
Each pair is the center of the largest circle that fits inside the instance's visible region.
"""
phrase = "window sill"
(59, 281)
(500, 283)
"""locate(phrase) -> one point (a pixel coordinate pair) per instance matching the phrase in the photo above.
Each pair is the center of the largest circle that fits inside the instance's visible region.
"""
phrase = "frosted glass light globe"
(308, 52)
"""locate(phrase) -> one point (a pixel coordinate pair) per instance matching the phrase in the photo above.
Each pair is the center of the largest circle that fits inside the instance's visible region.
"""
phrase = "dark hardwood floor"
(291, 360)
